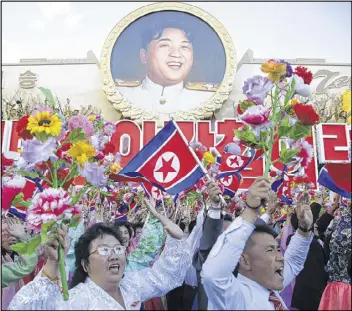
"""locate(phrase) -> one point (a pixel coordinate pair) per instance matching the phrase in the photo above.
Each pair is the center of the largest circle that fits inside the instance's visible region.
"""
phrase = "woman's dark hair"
(138, 225)
(118, 224)
(82, 248)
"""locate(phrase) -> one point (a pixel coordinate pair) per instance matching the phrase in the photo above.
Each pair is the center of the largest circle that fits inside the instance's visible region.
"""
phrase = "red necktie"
(276, 301)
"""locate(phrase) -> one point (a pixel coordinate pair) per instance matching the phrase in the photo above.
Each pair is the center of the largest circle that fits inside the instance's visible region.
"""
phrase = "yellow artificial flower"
(19, 151)
(115, 167)
(208, 158)
(81, 151)
(92, 118)
(274, 69)
(44, 122)
(346, 104)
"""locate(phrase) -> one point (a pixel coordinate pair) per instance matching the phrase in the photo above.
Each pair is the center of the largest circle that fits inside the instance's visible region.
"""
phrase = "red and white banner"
(332, 142)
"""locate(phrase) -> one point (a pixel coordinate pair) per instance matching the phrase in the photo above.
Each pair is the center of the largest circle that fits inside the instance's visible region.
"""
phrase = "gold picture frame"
(206, 109)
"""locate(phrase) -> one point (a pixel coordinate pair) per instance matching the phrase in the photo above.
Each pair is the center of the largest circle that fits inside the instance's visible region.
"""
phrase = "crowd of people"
(215, 259)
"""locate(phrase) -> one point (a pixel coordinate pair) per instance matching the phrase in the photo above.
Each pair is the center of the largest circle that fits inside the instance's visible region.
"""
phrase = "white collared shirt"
(164, 100)
(224, 291)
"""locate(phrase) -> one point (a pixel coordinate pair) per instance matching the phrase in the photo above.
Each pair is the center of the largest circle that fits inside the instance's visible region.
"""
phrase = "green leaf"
(287, 155)
(20, 248)
(28, 174)
(44, 237)
(299, 131)
(246, 135)
(76, 135)
(41, 136)
(49, 96)
(74, 221)
(107, 194)
(34, 243)
(48, 225)
(284, 127)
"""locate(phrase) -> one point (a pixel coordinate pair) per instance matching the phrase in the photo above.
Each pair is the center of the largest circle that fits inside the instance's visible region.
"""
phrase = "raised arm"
(217, 270)
(297, 251)
(12, 272)
(43, 293)
(169, 271)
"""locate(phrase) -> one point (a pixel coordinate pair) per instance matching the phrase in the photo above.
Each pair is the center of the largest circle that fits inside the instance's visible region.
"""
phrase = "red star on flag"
(226, 179)
(233, 161)
(166, 168)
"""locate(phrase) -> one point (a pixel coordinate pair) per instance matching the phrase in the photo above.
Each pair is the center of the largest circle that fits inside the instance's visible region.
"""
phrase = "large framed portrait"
(168, 60)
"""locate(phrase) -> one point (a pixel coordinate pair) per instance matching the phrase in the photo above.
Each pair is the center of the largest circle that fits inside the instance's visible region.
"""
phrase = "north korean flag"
(151, 191)
(231, 184)
(166, 161)
(235, 163)
(20, 212)
(337, 178)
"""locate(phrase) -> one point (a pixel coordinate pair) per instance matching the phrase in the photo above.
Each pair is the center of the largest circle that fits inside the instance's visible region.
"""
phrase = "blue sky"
(271, 30)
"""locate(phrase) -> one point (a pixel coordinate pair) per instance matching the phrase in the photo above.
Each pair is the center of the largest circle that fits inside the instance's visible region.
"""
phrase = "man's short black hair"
(156, 29)
(260, 227)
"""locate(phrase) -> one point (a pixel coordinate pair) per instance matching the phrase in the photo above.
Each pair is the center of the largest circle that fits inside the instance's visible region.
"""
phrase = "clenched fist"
(257, 192)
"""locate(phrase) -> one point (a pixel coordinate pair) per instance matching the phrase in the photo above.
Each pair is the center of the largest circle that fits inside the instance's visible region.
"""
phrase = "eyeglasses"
(107, 251)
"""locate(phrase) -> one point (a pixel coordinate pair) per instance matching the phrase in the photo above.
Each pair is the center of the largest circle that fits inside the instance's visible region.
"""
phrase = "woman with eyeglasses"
(100, 280)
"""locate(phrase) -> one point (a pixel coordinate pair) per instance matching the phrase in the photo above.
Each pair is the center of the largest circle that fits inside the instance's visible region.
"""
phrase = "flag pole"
(199, 162)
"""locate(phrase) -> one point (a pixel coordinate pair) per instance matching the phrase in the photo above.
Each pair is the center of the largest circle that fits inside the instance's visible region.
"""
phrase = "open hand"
(303, 211)
(17, 229)
(257, 192)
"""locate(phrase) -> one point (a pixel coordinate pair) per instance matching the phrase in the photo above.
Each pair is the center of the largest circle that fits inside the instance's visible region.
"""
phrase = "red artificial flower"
(21, 128)
(239, 110)
(109, 148)
(304, 73)
(306, 114)
(273, 174)
(62, 149)
(99, 156)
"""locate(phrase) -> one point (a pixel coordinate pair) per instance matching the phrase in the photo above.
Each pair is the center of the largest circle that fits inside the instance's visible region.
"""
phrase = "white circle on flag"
(166, 167)
(234, 161)
(226, 181)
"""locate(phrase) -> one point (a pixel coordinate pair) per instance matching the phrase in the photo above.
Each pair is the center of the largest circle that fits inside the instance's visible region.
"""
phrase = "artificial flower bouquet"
(274, 110)
(54, 152)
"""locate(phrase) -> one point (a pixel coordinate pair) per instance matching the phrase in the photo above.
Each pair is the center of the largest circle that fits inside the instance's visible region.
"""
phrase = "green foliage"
(34, 243)
(299, 131)
(76, 135)
(47, 226)
(247, 136)
(74, 221)
(286, 155)
(20, 248)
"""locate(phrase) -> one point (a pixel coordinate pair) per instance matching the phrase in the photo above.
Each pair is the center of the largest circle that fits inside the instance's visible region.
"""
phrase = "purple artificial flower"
(36, 151)
(94, 174)
(257, 88)
(109, 129)
(289, 70)
(40, 108)
(82, 122)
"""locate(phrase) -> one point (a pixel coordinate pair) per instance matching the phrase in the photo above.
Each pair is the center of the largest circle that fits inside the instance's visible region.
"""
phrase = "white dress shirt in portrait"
(164, 100)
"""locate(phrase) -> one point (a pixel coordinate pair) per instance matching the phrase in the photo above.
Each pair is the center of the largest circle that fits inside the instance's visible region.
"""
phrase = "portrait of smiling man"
(167, 53)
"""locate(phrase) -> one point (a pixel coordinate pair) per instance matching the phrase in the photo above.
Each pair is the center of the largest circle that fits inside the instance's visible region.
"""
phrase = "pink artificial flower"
(306, 153)
(10, 189)
(51, 204)
(256, 116)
